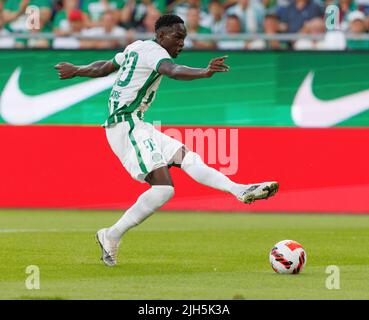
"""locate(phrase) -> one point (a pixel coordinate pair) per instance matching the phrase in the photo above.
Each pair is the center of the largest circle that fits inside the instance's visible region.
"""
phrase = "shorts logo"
(156, 157)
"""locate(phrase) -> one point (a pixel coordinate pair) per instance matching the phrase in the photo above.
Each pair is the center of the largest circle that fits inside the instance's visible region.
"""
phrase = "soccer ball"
(287, 256)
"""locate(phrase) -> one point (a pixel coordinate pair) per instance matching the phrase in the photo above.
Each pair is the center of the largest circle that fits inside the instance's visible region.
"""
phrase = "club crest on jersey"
(149, 144)
(156, 157)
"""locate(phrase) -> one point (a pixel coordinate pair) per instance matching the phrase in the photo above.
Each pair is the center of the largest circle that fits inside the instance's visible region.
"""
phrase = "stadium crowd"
(125, 18)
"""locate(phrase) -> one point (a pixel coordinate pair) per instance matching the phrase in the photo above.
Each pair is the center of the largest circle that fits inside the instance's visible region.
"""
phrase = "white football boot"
(258, 191)
(109, 248)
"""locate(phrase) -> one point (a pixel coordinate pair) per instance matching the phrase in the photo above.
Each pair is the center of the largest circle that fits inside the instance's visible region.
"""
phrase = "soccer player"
(146, 153)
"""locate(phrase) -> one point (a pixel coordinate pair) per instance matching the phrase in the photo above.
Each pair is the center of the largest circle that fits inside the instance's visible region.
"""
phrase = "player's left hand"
(66, 70)
(217, 65)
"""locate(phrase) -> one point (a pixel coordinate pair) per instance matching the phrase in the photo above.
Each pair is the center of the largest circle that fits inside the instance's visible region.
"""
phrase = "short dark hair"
(167, 20)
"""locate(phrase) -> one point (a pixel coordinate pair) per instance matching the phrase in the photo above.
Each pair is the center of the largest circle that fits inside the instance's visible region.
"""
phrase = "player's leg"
(140, 155)
(194, 166)
(160, 192)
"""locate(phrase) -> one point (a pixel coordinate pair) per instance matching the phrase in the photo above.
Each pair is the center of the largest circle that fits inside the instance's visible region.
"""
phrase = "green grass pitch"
(181, 256)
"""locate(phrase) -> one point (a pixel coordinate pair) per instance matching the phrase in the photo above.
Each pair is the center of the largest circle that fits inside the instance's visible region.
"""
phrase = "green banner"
(308, 89)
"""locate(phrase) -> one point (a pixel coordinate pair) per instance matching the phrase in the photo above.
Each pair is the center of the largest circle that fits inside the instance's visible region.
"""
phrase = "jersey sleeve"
(118, 59)
(156, 56)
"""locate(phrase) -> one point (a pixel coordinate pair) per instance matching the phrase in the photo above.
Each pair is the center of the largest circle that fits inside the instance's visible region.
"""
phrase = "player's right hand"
(66, 70)
(217, 65)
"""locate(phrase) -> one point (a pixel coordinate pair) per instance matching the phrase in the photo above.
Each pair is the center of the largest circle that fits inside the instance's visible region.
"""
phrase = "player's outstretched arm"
(94, 70)
(179, 72)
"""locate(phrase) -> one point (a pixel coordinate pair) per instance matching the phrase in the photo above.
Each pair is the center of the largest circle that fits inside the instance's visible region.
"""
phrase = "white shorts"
(141, 149)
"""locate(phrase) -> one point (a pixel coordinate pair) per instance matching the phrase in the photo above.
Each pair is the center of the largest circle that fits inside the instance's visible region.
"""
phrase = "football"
(287, 256)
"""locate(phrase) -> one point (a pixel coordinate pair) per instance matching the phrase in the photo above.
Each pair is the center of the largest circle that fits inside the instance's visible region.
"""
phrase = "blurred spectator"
(16, 20)
(268, 4)
(102, 17)
(181, 8)
(193, 26)
(251, 14)
(332, 40)
(271, 27)
(312, 27)
(215, 20)
(160, 5)
(225, 3)
(5, 41)
(61, 25)
(363, 6)
(272, 4)
(94, 9)
(38, 42)
(1, 12)
(297, 13)
(134, 12)
(14, 15)
(108, 28)
(148, 21)
(345, 8)
(77, 27)
(233, 26)
(356, 27)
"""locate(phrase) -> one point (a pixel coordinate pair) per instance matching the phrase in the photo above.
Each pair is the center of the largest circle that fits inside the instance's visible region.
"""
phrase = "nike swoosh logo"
(309, 111)
(20, 109)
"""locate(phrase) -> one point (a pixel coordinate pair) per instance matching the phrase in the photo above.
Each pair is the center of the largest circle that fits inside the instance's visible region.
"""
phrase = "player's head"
(170, 33)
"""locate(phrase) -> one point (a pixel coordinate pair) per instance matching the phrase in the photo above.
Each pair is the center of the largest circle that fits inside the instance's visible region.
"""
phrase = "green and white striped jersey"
(137, 80)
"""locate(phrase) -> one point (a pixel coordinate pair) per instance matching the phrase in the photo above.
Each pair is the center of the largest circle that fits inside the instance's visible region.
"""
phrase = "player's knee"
(179, 156)
(169, 192)
(191, 158)
(166, 193)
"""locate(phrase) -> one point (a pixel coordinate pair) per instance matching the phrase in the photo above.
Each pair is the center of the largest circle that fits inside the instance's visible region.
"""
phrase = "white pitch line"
(44, 230)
